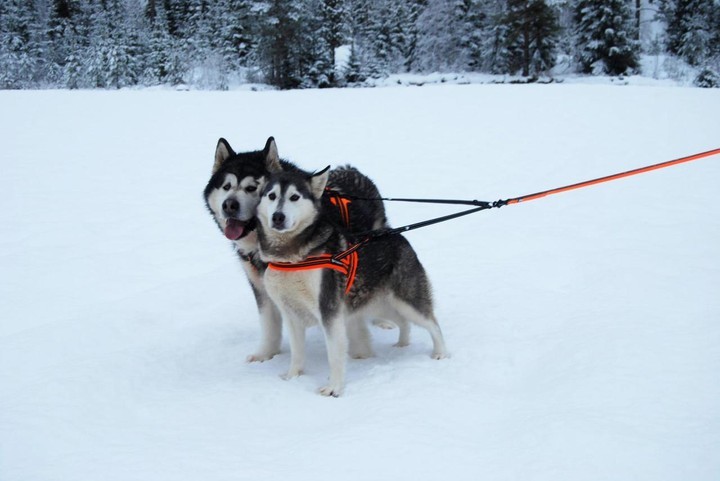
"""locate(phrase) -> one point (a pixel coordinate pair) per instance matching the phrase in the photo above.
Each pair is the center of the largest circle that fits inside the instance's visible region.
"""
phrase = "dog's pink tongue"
(234, 229)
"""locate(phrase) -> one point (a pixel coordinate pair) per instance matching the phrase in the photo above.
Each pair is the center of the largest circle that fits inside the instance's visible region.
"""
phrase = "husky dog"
(232, 196)
(297, 231)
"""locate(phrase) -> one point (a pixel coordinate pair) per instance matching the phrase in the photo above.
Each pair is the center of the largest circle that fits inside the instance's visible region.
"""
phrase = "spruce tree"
(333, 34)
(62, 34)
(162, 61)
(442, 34)
(715, 38)
(178, 13)
(605, 37)
(133, 35)
(380, 33)
(235, 33)
(19, 45)
(531, 37)
(115, 57)
(69, 33)
(691, 28)
(406, 32)
(353, 70)
(362, 25)
(280, 49)
(476, 18)
(494, 55)
(451, 35)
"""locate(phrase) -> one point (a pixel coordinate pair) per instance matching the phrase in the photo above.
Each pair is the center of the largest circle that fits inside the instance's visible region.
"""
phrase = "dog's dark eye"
(272, 196)
(294, 198)
(250, 188)
(227, 186)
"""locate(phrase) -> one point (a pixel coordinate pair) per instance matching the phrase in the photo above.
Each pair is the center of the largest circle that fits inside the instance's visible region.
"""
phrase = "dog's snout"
(278, 219)
(231, 206)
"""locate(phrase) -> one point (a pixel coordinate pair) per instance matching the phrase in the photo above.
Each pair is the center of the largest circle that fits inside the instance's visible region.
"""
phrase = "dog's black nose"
(278, 219)
(231, 206)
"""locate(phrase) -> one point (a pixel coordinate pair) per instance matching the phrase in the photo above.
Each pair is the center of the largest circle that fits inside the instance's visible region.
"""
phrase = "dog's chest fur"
(297, 291)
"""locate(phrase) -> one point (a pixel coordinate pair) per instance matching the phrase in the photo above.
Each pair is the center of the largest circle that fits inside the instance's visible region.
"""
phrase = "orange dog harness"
(345, 262)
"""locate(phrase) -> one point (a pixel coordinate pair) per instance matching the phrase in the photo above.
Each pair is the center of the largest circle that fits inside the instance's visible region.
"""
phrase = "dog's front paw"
(260, 357)
(439, 355)
(401, 344)
(330, 391)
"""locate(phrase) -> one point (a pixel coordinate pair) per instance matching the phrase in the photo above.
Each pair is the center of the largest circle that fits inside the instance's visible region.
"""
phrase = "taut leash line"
(608, 178)
(483, 205)
(399, 230)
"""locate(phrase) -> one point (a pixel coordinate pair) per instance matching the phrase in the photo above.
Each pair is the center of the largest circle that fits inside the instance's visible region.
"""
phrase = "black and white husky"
(232, 196)
(298, 231)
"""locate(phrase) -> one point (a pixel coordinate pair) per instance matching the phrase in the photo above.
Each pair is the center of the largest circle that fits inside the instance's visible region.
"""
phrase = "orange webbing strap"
(346, 263)
(609, 178)
(341, 203)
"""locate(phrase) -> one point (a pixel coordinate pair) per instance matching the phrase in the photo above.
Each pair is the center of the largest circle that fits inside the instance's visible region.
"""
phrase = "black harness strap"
(478, 203)
(481, 205)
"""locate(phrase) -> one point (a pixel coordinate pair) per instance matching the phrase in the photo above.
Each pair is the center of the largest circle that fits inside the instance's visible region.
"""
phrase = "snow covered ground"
(584, 327)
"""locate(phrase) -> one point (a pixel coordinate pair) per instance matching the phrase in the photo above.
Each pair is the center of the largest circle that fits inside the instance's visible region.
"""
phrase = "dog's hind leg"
(411, 314)
(358, 338)
(403, 334)
(403, 328)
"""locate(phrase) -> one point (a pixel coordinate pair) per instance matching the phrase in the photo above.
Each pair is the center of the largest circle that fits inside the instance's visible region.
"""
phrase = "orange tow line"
(608, 178)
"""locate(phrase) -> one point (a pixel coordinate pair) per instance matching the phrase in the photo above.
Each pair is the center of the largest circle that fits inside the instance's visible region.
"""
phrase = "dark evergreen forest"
(293, 43)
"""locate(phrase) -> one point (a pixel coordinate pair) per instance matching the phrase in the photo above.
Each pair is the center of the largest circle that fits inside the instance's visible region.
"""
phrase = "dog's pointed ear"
(223, 151)
(318, 181)
(272, 159)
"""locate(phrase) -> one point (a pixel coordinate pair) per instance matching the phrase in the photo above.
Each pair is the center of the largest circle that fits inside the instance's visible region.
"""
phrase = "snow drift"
(583, 327)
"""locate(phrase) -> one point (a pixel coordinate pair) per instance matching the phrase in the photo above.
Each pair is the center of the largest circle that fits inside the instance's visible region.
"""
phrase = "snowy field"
(584, 327)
